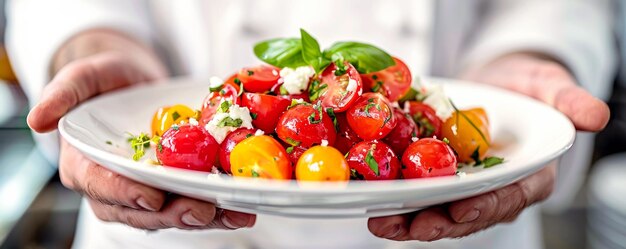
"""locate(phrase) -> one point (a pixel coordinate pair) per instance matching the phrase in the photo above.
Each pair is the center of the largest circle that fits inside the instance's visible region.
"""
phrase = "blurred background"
(36, 211)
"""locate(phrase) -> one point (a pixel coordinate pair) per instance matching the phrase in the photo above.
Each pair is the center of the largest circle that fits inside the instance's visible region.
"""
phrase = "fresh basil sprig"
(294, 52)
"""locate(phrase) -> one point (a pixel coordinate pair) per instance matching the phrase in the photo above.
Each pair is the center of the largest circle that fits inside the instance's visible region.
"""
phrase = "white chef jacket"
(205, 38)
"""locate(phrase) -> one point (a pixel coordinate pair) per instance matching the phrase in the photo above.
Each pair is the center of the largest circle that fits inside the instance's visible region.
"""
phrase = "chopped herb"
(356, 175)
(237, 81)
(413, 134)
(224, 107)
(409, 95)
(139, 143)
(374, 77)
(289, 149)
(370, 100)
(312, 119)
(283, 91)
(368, 106)
(248, 135)
(175, 127)
(215, 89)
(253, 115)
(476, 157)
(377, 86)
(316, 90)
(175, 115)
(160, 147)
(341, 69)
(275, 159)
(223, 92)
(387, 119)
(228, 121)
(492, 161)
(331, 114)
(109, 142)
(240, 170)
(445, 140)
(369, 159)
(469, 121)
(250, 72)
(292, 141)
(255, 174)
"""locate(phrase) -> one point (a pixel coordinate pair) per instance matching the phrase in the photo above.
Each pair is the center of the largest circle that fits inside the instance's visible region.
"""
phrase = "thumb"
(80, 80)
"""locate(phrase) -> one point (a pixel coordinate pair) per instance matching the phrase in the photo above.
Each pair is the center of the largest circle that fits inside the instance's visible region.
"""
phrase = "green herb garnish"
(175, 116)
(230, 122)
(253, 115)
(292, 141)
(139, 144)
(371, 162)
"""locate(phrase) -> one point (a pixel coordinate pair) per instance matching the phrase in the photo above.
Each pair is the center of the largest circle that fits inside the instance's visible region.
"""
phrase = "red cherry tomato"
(371, 117)
(306, 125)
(373, 160)
(295, 153)
(428, 157)
(265, 109)
(188, 147)
(401, 137)
(229, 143)
(393, 82)
(426, 119)
(258, 79)
(334, 90)
(346, 137)
(228, 91)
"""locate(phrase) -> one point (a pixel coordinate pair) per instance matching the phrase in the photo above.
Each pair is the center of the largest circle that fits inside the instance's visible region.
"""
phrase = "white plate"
(527, 133)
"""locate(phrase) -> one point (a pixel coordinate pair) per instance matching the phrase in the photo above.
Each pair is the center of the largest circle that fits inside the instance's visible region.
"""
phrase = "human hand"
(536, 77)
(111, 196)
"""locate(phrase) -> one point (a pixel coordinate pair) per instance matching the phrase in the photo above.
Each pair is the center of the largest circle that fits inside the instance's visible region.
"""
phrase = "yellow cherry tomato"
(322, 163)
(466, 139)
(166, 116)
(260, 156)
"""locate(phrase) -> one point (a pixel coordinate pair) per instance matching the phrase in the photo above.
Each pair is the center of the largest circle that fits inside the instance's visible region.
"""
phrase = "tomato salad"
(346, 113)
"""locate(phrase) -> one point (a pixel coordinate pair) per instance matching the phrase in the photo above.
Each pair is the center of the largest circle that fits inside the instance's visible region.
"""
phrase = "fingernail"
(470, 216)
(144, 204)
(433, 234)
(190, 220)
(235, 220)
(394, 231)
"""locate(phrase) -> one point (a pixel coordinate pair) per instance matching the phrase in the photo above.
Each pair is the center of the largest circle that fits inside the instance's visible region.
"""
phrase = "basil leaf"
(281, 52)
(492, 161)
(311, 52)
(371, 162)
(364, 57)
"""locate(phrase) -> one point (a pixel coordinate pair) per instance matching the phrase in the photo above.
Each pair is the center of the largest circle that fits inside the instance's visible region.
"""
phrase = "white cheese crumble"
(299, 101)
(296, 80)
(324, 142)
(193, 121)
(234, 112)
(414, 139)
(259, 133)
(351, 85)
(437, 99)
(215, 82)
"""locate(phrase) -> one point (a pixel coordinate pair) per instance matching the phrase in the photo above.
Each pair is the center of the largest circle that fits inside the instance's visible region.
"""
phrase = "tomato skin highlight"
(346, 137)
(360, 160)
(265, 109)
(228, 92)
(428, 157)
(229, 143)
(425, 117)
(371, 117)
(259, 79)
(301, 125)
(322, 163)
(334, 91)
(401, 136)
(188, 147)
(260, 156)
(464, 138)
(393, 82)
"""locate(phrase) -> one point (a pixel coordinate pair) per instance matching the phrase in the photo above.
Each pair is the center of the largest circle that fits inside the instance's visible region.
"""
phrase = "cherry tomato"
(373, 160)
(258, 79)
(295, 153)
(188, 147)
(346, 137)
(428, 157)
(393, 82)
(426, 119)
(401, 137)
(465, 138)
(227, 92)
(334, 89)
(265, 109)
(306, 125)
(322, 163)
(260, 156)
(229, 143)
(165, 117)
(371, 117)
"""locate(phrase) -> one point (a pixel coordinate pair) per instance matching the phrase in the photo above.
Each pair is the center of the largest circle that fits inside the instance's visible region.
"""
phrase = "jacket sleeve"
(576, 32)
(37, 29)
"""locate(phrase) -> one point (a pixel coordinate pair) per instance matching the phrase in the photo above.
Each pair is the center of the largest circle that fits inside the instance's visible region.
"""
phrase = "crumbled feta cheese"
(407, 107)
(234, 112)
(259, 133)
(437, 99)
(215, 170)
(395, 104)
(351, 85)
(193, 121)
(461, 174)
(215, 82)
(296, 80)
(324, 142)
(299, 101)
(274, 72)
(414, 139)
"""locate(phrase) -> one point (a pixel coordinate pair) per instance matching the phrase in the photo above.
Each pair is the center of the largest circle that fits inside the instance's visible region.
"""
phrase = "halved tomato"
(392, 82)
(338, 87)
(265, 109)
(258, 79)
